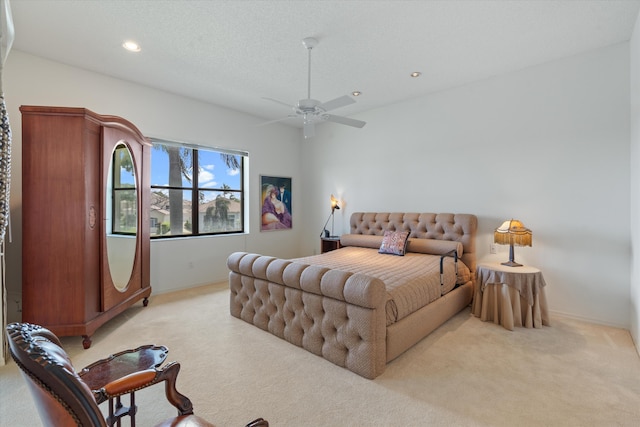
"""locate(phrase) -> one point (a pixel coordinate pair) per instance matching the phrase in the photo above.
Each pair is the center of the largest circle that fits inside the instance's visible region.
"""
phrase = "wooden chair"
(63, 398)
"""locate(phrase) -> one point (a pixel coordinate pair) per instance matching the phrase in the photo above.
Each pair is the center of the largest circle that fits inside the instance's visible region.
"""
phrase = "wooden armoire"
(84, 176)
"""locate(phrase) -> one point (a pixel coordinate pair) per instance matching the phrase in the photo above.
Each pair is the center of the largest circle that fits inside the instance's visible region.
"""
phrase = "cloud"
(206, 178)
(233, 172)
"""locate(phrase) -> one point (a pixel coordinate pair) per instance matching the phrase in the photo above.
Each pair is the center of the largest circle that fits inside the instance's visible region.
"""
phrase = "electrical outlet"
(493, 248)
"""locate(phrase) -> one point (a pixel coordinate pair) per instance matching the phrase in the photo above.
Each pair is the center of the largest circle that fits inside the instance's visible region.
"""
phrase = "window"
(184, 176)
(123, 183)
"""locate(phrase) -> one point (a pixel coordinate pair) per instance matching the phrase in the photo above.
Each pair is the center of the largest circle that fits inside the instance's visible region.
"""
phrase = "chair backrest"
(62, 398)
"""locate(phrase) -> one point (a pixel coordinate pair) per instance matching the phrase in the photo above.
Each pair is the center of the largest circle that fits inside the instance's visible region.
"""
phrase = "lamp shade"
(334, 203)
(512, 232)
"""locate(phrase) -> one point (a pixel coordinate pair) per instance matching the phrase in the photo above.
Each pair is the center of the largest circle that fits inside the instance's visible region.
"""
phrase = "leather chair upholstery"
(64, 399)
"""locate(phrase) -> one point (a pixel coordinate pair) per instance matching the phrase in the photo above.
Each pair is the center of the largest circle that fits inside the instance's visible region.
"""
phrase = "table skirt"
(504, 305)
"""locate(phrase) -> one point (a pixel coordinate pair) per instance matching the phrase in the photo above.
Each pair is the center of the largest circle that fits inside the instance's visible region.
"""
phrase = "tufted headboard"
(439, 226)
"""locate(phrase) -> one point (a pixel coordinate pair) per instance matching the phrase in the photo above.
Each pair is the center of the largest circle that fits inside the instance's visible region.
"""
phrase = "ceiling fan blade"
(337, 103)
(344, 120)
(309, 129)
(278, 102)
(291, 116)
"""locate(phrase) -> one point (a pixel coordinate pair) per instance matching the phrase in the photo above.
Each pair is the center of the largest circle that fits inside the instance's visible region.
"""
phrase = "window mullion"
(195, 193)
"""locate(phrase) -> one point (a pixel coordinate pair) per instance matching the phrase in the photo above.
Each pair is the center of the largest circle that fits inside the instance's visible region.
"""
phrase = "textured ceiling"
(233, 53)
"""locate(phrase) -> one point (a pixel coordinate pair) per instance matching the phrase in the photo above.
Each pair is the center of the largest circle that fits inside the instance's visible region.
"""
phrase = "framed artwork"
(275, 203)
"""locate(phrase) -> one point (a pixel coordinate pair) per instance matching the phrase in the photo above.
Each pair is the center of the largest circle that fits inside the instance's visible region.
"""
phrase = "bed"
(354, 306)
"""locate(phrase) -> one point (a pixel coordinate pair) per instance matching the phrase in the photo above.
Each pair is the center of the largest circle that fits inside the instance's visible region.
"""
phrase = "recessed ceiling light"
(416, 74)
(356, 93)
(131, 46)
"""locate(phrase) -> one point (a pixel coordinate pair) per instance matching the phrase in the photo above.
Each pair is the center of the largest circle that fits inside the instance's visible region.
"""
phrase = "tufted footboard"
(337, 315)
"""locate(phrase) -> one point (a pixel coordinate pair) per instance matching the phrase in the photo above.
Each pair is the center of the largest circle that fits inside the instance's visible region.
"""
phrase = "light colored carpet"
(466, 373)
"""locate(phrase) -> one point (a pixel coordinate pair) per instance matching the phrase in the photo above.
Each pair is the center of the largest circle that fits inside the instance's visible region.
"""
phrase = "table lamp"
(334, 206)
(511, 233)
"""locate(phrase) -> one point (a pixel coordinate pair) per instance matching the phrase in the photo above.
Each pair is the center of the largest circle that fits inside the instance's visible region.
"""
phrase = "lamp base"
(511, 264)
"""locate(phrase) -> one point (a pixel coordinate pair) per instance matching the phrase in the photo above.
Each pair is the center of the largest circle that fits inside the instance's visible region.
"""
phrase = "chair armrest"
(142, 379)
(130, 383)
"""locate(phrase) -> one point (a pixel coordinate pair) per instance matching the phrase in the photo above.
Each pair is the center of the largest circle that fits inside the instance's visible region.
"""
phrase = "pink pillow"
(394, 242)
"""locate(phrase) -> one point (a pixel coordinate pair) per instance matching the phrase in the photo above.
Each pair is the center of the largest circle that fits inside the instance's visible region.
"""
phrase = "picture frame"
(275, 203)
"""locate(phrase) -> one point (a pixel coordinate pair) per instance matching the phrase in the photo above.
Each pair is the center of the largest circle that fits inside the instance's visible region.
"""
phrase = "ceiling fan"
(313, 111)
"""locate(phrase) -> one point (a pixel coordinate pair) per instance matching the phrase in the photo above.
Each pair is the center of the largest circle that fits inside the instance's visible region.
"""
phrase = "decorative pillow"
(394, 242)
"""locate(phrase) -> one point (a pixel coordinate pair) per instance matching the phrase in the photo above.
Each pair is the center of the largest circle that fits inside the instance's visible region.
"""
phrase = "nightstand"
(510, 296)
(328, 244)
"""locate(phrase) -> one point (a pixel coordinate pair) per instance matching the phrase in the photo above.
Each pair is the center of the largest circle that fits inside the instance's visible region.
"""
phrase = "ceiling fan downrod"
(309, 43)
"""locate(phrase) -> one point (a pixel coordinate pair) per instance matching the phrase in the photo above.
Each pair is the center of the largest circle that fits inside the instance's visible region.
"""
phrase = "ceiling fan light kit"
(313, 111)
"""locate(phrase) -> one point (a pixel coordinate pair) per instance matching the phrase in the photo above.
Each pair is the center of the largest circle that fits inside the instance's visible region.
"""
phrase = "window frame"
(195, 189)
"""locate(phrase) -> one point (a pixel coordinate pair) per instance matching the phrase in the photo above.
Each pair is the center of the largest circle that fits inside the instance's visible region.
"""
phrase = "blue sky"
(213, 171)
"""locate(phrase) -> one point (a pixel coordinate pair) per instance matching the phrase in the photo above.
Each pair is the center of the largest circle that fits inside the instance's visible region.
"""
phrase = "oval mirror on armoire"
(121, 216)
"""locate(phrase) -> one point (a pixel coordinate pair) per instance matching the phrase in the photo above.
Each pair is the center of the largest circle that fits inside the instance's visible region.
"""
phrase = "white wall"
(634, 50)
(547, 145)
(30, 80)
